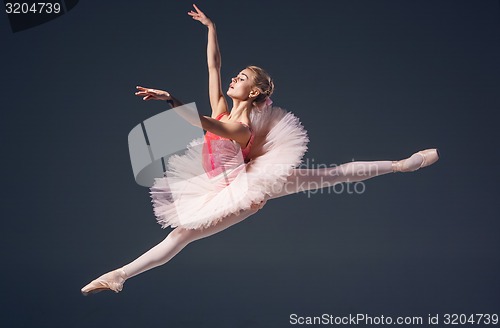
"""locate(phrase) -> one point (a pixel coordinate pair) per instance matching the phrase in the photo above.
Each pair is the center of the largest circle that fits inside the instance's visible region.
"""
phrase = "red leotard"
(221, 154)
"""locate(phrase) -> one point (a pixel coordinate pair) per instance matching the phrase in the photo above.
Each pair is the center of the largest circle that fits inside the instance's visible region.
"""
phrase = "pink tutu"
(190, 196)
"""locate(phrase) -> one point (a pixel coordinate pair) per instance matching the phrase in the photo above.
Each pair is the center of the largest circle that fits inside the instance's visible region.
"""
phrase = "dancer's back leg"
(176, 240)
(160, 254)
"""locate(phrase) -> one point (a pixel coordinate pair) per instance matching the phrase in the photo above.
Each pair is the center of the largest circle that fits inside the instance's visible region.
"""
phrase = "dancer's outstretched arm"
(155, 94)
(217, 100)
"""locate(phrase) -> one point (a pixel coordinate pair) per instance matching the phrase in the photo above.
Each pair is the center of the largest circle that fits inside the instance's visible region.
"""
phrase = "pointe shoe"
(110, 281)
(429, 157)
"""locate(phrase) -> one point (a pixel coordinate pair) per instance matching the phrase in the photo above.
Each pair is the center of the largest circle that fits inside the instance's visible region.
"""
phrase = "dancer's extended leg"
(160, 254)
(313, 179)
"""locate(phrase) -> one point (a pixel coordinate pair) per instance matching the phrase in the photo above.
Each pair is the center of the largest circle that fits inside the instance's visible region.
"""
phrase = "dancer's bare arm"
(217, 100)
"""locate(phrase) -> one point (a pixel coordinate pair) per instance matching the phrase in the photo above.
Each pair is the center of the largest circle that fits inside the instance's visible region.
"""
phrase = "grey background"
(368, 79)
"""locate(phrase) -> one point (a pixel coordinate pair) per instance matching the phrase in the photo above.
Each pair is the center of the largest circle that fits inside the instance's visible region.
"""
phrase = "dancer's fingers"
(197, 9)
(150, 91)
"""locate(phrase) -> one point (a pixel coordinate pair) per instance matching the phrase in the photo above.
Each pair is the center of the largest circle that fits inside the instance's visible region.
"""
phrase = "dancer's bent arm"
(234, 131)
(217, 100)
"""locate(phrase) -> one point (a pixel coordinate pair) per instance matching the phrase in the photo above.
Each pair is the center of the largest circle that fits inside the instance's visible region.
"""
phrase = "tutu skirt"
(188, 196)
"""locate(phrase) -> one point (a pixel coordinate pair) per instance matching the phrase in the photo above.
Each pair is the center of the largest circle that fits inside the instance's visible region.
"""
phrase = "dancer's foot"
(110, 281)
(416, 161)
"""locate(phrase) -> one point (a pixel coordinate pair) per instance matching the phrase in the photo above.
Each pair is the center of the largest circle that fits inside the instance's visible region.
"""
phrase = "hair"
(263, 82)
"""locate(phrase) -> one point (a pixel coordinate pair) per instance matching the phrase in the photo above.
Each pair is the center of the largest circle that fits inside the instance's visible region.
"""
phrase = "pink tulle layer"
(186, 196)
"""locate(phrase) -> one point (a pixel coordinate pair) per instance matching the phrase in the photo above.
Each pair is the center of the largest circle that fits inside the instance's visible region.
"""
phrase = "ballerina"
(247, 156)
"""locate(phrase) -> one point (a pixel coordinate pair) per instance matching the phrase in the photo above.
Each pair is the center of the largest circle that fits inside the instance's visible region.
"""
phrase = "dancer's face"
(242, 86)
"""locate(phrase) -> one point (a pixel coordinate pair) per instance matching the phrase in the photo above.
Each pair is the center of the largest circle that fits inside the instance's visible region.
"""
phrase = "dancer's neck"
(241, 109)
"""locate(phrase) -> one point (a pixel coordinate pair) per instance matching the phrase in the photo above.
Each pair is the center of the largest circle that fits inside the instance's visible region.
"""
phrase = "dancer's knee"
(182, 235)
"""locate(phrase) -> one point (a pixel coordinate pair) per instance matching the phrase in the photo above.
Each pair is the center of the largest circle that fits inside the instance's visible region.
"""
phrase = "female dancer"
(248, 156)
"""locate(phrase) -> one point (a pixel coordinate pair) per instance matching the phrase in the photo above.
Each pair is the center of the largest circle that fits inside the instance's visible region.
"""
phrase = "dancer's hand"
(200, 16)
(152, 94)
(258, 206)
